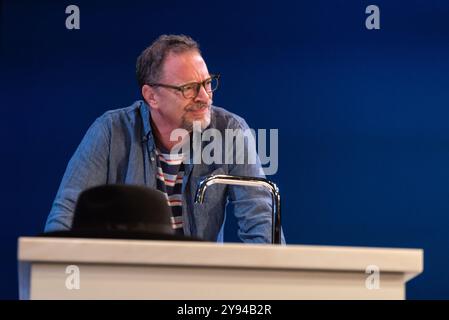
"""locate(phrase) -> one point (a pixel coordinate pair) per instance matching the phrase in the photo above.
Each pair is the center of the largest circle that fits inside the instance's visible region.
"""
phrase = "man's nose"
(203, 96)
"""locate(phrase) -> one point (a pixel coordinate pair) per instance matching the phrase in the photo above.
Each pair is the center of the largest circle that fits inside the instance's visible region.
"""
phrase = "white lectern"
(68, 268)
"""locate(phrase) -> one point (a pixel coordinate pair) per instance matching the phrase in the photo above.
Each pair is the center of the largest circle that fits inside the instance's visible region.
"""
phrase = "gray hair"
(150, 61)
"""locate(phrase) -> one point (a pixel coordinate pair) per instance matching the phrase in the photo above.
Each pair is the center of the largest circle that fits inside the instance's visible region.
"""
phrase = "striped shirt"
(170, 171)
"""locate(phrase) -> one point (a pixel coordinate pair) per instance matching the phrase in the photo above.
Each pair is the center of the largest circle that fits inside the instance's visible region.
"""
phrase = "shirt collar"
(146, 120)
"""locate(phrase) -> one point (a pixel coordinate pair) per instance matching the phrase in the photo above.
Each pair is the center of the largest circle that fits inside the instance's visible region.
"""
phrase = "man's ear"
(148, 94)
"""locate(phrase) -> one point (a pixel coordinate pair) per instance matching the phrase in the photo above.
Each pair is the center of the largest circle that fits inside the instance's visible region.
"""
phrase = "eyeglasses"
(191, 90)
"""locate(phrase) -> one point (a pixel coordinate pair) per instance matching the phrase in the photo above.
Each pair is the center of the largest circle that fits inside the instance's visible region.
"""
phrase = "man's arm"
(252, 205)
(88, 167)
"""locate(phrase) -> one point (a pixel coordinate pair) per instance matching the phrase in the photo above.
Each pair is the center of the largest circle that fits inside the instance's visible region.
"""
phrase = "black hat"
(121, 212)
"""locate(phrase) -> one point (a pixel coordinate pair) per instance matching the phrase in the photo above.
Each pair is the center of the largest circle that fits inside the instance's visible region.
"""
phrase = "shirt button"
(152, 158)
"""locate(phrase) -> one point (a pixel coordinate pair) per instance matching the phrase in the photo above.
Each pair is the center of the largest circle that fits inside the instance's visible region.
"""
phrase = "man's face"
(174, 109)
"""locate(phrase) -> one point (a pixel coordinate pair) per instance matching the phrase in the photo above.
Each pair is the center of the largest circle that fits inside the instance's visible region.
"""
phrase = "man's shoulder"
(223, 118)
(120, 121)
(121, 118)
(129, 112)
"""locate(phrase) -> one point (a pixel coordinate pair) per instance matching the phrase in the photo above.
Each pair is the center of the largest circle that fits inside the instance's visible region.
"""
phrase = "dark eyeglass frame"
(182, 88)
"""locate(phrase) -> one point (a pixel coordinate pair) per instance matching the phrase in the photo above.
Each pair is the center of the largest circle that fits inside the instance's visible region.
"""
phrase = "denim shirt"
(119, 148)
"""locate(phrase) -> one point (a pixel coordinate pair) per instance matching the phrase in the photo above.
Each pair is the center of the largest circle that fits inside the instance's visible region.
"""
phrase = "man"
(134, 145)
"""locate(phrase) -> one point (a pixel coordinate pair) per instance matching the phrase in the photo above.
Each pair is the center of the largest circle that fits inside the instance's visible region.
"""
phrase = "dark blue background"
(362, 115)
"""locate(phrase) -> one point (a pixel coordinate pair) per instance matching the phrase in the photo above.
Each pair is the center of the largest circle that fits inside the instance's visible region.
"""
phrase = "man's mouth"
(199, 110)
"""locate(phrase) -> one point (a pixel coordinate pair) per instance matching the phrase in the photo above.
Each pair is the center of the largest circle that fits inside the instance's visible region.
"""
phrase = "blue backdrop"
(362, 114)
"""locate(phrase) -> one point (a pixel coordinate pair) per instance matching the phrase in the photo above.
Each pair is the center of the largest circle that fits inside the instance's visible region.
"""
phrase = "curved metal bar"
(248, 181)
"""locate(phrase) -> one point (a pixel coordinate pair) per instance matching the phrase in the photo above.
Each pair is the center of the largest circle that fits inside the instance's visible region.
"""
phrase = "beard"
(187, 119)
